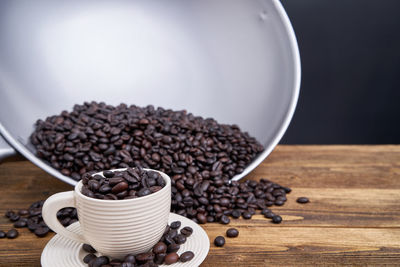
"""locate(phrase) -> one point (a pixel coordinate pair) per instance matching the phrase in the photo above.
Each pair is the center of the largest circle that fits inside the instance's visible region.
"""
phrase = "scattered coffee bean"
(160, 247)
(42, 231)
(89, 257)
(171, 258)
(144, 257)
(88, 248)
(173, 247)
(100, 261)
(20, 223)
(3, 234)
(175, 225)
(269, 215)
(246, 215)
(219, 241)
(186, 256)
(232, 232)
(225, 219)
(277, 219)
(13, 233)
(186, 231)
(130, 258)
(23, 212)
(302, 200)
(180, 239)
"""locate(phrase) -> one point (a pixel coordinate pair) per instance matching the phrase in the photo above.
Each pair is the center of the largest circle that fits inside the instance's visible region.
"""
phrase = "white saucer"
(62, 252)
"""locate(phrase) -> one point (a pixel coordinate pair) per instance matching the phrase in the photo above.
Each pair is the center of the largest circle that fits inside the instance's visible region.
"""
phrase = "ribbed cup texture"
(118, 227)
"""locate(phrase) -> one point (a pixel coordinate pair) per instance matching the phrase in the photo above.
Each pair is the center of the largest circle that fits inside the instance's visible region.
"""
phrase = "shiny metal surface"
(234, 60)
(5, 149)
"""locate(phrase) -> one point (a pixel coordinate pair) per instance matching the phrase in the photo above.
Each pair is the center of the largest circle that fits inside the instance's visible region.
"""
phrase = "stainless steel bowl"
(234, 60)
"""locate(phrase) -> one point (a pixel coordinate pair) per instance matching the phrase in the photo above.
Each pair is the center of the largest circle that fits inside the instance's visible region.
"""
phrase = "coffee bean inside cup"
(128, 184)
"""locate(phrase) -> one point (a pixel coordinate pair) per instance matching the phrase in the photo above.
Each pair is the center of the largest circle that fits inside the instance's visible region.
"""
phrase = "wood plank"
(353, 217)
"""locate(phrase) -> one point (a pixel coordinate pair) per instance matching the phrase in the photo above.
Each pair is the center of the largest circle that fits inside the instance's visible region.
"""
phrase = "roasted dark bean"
(175, 225)
(144, 257)
(42, 231)
(186, 231)
(160, 247)
(225, 219)
(186, 256)
(100, 261)
(130, 258)
(171, 258)
(173, 247)
(277, 219)
(180, 239)
(89, 257)
(88, 248)
(2, 234)
(20, 223)
(12, 234)
(219, 241)
(232, 232)
(302, 200)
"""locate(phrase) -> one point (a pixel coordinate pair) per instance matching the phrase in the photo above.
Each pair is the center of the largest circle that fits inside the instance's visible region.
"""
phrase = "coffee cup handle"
(49, 213)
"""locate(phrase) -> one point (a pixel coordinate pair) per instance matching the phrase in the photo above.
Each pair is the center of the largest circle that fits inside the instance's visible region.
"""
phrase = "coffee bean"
(186, 256)
(23, 212)
(20, 223)
(173, 247)
(9, 213)
(175, 225)
(159, 258)
(236, 214)
(14, 217)
(171, 258)
(130, 258)
(186, 231)
(219, 241)
(88, 248)
(120, 187)
(246, 215)
(225, 219)
(100, 261)
(277, 219)
(41, 231)
(89, 257)
(232, 232)
(144, 257)
(180, 239)
(269, 214)
(2, 234)
(201, 218)
(13, 233)
(302, 200)
(160, 247)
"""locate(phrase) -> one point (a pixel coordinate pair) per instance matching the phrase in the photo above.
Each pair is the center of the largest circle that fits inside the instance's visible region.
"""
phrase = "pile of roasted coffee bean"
(114, 185)
(97, 136)
(215, 200)
(164, 252)
(32, 219)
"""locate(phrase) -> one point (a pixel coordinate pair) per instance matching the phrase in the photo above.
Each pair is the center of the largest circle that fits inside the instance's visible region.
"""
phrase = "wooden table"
(353, 218)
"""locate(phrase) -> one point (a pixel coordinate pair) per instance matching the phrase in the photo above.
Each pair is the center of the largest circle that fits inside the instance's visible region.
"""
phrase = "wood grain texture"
(353, 218)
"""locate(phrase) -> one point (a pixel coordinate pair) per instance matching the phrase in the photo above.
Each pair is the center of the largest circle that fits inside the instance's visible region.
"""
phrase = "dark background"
(350, 53)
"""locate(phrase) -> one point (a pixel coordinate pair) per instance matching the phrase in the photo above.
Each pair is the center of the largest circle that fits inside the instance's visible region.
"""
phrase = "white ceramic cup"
(114, 228)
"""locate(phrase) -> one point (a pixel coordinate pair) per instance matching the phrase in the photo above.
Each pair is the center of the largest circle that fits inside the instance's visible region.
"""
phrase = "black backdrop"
(350, 52)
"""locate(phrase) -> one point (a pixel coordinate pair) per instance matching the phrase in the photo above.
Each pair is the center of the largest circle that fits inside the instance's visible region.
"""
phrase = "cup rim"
(166, 177)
